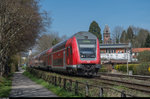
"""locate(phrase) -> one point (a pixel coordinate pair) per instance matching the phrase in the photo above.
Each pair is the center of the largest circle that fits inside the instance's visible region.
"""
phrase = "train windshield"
(87, 48)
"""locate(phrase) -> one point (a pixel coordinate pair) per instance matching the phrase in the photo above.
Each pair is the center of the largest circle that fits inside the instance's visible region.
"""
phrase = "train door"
(69, 55)
(49, 60)
(52, 60)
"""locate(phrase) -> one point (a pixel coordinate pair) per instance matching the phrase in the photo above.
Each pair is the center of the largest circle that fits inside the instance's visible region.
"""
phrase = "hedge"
(141, 69)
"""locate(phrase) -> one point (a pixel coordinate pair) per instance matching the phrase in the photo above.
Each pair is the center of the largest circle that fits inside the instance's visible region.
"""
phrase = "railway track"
(139, 77)
(142, 87)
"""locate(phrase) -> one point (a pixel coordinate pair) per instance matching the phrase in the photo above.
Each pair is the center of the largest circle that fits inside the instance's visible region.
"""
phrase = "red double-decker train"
(80, 54)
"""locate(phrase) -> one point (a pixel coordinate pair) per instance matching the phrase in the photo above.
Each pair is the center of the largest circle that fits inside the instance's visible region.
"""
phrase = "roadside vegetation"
(6, 81)
(105, 68)
(55, 89)
(24, 67)
(93, 91)
(64, 93)
(143, 68)
(137, 69)
(5, 86)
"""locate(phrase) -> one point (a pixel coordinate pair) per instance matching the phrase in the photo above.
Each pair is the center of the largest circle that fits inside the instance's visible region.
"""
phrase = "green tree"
(123, 37)
(117, 34)
(147, 42)
(96, 30)
(130, 34)
(55, 41)
(141, 38)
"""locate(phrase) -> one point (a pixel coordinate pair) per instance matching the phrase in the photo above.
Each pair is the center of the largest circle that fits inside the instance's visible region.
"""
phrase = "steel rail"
(131, 85)
(140, 77)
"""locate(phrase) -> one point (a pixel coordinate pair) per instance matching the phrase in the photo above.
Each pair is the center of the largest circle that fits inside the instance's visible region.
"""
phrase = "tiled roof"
(140, 49)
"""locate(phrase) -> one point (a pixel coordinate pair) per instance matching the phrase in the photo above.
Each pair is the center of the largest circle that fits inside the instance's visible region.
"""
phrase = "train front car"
(86, 53)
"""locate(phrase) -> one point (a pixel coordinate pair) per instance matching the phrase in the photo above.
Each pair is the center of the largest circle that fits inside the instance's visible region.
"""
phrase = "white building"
(115, 53)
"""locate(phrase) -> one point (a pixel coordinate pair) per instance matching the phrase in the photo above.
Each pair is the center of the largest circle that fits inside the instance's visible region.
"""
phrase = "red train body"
(79, 54)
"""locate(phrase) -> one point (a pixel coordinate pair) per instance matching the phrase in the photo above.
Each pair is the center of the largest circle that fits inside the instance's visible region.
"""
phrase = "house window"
(106, 50)
(109, 51)
(114, 50)
(125, 50)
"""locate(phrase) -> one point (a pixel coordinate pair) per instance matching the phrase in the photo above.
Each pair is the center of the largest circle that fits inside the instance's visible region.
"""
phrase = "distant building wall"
(116, 56)
(115, 52)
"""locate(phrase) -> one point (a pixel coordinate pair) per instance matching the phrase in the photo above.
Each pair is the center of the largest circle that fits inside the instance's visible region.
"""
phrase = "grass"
(5, 86)
(55, 89)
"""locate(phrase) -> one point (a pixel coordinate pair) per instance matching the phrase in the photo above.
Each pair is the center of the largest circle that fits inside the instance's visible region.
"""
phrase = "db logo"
(88, 61)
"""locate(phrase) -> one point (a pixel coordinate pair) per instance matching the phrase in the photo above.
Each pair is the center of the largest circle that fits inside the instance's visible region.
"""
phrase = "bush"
(105, 68)
(123, 67)
(144, 56)
(23, 67)
(142, 69)
(5, 86)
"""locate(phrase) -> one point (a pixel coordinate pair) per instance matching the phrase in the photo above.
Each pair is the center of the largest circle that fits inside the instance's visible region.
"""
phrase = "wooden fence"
(79, 88)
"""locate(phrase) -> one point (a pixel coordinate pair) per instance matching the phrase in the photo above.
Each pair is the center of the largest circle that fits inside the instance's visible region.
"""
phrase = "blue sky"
(72, 16)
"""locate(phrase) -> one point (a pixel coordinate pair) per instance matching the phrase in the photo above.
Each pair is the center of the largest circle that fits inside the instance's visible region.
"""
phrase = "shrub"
(123, 67)
(105, 68)
(24, 67)
(144, 56)
(142, 69)
(5, 86)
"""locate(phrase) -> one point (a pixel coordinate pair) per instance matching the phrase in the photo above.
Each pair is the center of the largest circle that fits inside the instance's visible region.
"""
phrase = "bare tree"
(117, 34)
(46, 40)
(20, 25)
(135, 30)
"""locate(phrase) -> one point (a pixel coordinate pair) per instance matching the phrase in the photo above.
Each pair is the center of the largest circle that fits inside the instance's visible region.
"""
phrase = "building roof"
(120, 61)
(140, 49)
(122, 45)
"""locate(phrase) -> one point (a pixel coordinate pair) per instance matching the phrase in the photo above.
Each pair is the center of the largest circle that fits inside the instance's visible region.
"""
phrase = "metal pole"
(127, 63)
